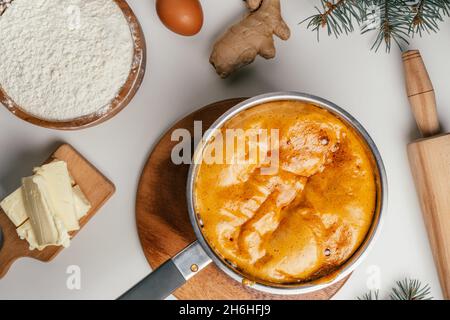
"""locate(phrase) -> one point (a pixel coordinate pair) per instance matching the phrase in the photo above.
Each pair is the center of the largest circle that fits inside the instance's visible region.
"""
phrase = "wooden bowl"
(124, 96)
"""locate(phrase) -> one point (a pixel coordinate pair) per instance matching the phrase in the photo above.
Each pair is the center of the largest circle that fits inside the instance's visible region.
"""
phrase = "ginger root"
(253, 36)
(253, 4)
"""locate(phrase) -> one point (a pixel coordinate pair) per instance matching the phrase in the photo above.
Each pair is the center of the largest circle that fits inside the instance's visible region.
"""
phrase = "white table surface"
(179, 80)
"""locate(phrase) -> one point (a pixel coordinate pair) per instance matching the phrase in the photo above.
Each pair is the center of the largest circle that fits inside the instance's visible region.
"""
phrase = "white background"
(179, 80)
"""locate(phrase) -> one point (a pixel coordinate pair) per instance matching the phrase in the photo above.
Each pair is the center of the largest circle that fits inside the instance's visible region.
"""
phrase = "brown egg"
(184, 17)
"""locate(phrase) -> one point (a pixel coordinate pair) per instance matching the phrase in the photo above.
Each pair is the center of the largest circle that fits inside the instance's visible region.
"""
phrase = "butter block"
(48, 228)
(82, 204)
(60, 192)
(14, 208)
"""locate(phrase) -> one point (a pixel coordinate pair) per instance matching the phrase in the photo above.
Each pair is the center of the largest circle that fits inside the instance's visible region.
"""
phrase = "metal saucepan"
(186, 264)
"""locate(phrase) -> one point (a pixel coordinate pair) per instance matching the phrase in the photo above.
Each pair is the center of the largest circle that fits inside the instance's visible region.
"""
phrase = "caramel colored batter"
(302, 222)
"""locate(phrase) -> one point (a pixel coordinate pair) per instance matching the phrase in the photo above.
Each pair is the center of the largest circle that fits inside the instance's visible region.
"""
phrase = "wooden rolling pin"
(430, 164)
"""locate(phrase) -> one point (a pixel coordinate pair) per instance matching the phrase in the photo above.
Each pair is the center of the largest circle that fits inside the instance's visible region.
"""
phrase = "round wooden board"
(163, 222)
(122, 99)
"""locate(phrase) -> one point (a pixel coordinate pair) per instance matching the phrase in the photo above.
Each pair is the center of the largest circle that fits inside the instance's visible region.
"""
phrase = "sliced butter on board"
(48, 228)
(60, 191)
(14, 207)
(82, 204)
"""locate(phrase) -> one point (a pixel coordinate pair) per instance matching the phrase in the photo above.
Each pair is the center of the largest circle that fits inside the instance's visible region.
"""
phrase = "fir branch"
(407, 289)
(394, 24)
(371, 295)
(395, 21)
(336, 15)
(410, 289)
(427, 14)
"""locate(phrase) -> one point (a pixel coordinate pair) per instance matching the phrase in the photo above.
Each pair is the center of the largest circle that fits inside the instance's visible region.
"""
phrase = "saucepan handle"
(170, 275)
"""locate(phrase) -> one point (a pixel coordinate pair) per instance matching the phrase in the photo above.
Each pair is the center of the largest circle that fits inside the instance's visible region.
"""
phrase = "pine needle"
(407, 289)
(410, 289)
(394, 21)
(371, 295)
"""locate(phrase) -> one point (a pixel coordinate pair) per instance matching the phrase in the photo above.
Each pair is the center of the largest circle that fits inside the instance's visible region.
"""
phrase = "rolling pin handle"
(420, 93)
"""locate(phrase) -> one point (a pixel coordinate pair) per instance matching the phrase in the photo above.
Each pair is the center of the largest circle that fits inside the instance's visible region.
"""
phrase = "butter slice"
(82, 204)
(25, 232)
(47, 226)
(60, 192)
(14, 207)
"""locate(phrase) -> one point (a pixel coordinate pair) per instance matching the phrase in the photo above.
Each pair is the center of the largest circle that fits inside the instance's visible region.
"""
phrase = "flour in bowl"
(64, 59)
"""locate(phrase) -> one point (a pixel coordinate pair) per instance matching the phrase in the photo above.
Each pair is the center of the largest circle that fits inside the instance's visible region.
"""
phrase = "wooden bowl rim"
(122, 99)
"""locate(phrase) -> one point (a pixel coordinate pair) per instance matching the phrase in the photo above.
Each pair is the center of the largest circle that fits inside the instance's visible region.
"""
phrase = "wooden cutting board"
(97, 188)
(163, 222)
(429, 158)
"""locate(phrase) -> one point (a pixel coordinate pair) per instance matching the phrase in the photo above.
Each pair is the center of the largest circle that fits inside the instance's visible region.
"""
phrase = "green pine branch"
(407, 289)
(371, 295)
(337, 16)
(410, 289)
(394, 24)
(427, 14)
(393, 21)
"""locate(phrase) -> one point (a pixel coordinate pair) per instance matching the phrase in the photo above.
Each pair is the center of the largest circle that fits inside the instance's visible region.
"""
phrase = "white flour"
(63, 59)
